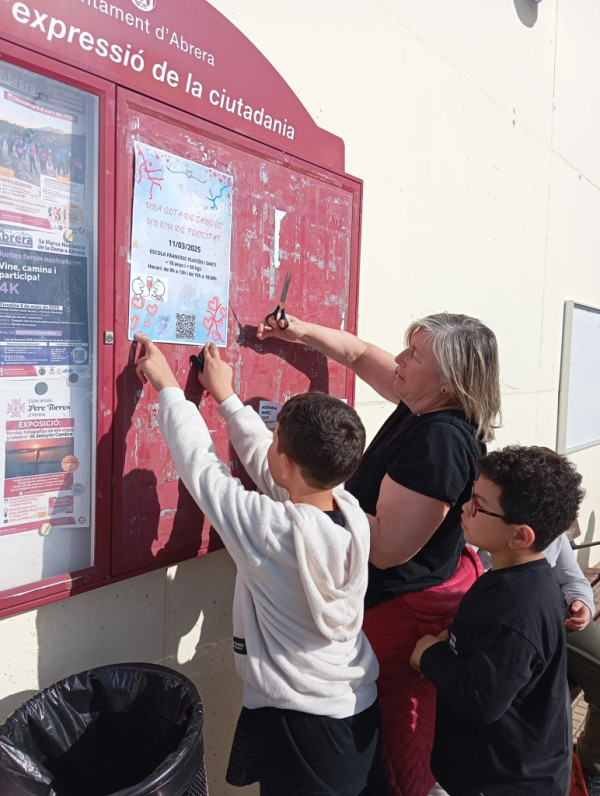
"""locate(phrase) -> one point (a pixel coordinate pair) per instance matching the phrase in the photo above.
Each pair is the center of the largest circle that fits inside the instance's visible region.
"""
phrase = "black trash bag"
(132, 729)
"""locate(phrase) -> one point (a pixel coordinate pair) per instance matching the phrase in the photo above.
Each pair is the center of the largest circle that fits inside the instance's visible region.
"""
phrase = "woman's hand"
(217, 376)
(370, 363)
(292, 332)
(152, 366)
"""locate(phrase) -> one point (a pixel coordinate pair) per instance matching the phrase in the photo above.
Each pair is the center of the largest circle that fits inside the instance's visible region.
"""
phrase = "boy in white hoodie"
(310, 720)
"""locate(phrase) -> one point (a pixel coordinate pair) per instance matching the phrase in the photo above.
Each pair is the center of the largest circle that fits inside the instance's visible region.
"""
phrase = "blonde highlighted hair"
(467, 357)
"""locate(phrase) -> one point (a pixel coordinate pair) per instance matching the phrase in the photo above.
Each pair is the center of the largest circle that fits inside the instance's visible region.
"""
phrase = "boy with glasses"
(500, 670)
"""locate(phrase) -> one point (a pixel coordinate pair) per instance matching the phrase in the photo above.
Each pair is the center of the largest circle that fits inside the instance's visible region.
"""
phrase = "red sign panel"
(184, 53)
(193, 95)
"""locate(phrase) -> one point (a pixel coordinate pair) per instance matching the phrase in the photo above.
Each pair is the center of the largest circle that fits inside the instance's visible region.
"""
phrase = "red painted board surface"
(154, 519)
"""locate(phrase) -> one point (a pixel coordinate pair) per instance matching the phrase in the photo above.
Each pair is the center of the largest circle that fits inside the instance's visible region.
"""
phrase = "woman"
(412, 482)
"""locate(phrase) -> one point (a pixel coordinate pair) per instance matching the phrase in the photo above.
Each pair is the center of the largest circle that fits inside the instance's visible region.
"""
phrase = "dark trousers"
(583, 668)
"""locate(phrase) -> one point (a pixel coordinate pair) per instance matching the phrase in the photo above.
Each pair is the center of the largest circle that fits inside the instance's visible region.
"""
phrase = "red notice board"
(90, 493)
(288, 216)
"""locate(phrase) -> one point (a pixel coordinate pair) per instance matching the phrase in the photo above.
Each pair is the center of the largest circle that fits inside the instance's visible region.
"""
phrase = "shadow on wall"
(527, 11)
(315, 366)
(135, 494)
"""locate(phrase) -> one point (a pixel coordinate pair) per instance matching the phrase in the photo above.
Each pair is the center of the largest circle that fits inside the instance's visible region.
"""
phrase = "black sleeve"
(436, 460)
(483, 685)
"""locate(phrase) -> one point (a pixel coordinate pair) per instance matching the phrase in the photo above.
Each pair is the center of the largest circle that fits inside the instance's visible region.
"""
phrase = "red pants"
(407, 699)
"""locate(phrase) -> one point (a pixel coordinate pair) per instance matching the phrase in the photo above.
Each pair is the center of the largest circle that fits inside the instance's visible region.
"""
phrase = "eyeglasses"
(475, 507)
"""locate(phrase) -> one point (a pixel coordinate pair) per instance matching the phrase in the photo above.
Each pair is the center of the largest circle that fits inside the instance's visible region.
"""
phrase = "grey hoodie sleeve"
(568, 573)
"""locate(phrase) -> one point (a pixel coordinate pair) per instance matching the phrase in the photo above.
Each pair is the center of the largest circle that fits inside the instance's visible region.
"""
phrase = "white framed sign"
(579, 392)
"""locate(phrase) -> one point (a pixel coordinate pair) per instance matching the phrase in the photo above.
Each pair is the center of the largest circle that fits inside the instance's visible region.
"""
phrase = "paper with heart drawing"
(180, 249)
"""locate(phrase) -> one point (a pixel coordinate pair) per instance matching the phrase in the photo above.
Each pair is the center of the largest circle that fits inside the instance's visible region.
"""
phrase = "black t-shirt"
(433, 454)
(501, 684)
(336, 516)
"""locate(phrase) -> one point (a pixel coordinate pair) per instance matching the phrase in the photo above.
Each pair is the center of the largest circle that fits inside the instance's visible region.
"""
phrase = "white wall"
(475, 128)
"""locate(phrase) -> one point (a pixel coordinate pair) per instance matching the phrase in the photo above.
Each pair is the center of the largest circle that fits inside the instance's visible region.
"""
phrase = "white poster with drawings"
(45, 462)
(180, 249)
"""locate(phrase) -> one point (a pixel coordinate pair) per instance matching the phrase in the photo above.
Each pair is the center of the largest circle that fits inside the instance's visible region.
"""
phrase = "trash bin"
(131, 729)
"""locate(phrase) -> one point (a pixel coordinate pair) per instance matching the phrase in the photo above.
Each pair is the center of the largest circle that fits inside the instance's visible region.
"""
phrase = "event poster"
(48, 228)
(43, 304)
(180, 249)
(41, 458)
(45, 220)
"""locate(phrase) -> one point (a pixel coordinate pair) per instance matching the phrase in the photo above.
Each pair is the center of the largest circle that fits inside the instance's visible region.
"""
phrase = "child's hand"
(580, 616)
(422, 644)
(217, 376)
(152, 365)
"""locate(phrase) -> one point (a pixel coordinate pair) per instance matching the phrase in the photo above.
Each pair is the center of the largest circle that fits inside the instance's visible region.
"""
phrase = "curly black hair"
(540, 488)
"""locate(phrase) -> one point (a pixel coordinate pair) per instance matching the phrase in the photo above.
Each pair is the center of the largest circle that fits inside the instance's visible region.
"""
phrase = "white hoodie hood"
(332, 562)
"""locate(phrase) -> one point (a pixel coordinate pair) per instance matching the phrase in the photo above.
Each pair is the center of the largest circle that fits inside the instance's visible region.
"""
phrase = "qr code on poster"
(185, 326)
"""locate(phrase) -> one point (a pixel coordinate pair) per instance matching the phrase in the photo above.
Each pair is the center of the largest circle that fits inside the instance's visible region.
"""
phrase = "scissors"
(281, 305)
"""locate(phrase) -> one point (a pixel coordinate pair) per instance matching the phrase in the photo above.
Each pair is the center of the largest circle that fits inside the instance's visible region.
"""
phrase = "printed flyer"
(180, 250)
(43, 457)
(46, 220)
(43, 127)
(43, 307)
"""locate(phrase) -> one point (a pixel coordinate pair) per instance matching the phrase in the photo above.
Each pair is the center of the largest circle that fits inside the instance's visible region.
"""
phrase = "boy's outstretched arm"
(236, 513)
(249, 436)
(247, 432)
